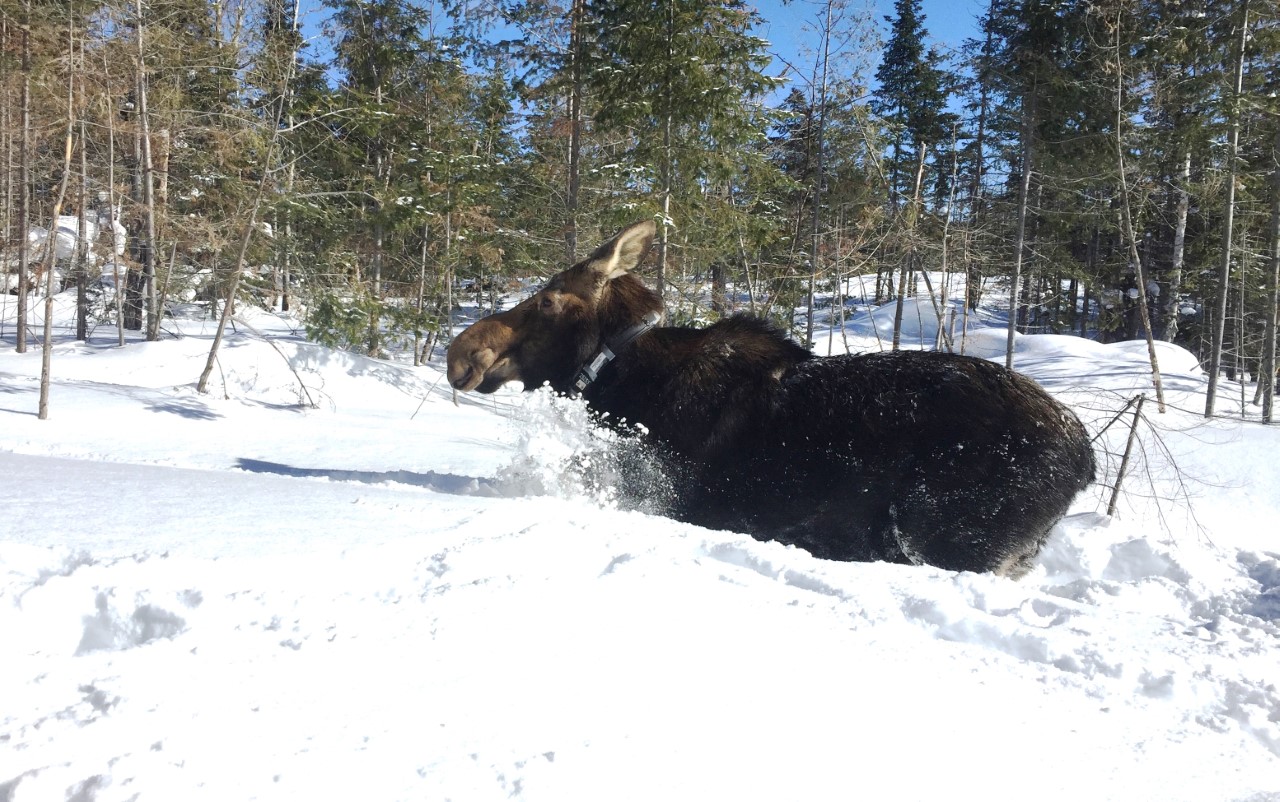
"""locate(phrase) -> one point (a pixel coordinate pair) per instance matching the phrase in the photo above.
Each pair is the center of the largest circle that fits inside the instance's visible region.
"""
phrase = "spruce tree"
(375, 46)
(683, 80)
(911, 96)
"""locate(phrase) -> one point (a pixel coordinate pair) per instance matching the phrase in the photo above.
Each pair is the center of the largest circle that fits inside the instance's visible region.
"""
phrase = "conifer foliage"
(371, 165)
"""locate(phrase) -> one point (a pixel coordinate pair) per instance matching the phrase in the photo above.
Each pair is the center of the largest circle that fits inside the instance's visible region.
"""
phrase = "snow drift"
(388, 597)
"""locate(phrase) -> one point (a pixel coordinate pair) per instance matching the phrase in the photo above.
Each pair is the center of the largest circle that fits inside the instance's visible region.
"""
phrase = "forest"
(1114, 166)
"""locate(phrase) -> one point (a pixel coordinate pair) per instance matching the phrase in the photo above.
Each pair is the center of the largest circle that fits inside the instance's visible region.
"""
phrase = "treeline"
(1092, 155)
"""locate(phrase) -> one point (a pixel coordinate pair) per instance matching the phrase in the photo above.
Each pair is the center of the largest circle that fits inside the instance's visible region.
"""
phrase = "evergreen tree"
(375, 46)
(419, 160)
(1034, 40)
(911, 97)
(1178, 56)
(555, 57)
(683, 80)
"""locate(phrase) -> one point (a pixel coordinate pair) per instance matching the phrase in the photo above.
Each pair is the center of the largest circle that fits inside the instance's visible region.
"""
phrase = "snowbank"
(390, 597)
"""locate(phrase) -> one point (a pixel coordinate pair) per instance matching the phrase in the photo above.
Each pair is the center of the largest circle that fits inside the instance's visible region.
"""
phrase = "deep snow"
(392, 598)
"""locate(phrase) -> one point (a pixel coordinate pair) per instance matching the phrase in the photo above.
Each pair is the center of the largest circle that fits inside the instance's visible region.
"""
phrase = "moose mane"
(624, 302)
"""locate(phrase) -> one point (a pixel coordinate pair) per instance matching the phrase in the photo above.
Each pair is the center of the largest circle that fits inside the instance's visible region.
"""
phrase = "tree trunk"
(448, 275)
(286, 248)
(148, 192)
(422, 295)
(1268, 369)
(945, 291)
(667, 167)
(1224, 266)
(228, 305)
(6, 133)
(1179, 250)
(973, 270)
(373, 346)
(815, 221)
(24, 183)
(112, 216)
(574, 183)
(286, 268)
(663, 240)
(1024, 193)
(82, 243)
(719, 287)
(908, 263)
(6, 145)
(1126, 215)
(273, 144)
(46, 353)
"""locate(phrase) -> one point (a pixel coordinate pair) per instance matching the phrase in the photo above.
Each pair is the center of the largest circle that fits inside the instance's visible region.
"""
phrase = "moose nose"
(460, 372)
(468, 368)
(460, 383)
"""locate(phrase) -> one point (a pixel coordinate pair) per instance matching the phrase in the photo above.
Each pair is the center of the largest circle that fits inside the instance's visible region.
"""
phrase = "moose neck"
(626, 310)
(624, 302)
(610, 350)
(696, 389)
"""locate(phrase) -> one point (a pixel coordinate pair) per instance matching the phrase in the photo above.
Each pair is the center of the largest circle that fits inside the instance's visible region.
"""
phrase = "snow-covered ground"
(389, 597)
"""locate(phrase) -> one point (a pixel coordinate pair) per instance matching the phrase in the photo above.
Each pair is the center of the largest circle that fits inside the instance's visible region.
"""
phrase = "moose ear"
(622, 253)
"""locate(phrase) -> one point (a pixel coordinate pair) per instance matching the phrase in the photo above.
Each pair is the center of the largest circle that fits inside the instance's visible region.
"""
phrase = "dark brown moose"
(908, 457)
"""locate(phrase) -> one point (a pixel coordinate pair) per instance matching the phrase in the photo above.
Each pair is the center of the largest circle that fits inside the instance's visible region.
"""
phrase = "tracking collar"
(608, 352)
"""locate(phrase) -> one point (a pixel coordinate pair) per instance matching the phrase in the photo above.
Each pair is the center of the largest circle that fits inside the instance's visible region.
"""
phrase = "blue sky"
(788, 26)
(948, 21)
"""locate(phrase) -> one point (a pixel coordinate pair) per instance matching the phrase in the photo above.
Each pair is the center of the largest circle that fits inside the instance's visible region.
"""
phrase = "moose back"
(907, 456)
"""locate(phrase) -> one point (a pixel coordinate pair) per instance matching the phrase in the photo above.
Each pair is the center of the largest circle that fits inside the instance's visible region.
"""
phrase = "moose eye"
(546, 302)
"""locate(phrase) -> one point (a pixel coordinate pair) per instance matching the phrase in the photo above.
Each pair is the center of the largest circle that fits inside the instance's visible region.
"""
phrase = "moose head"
(548, 337)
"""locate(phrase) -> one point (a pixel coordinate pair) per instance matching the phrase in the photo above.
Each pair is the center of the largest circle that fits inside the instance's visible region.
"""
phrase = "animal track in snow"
(743, 557)
(110, 628)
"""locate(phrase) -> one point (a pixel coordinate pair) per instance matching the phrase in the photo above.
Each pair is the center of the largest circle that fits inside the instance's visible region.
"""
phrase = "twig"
(1128, 450)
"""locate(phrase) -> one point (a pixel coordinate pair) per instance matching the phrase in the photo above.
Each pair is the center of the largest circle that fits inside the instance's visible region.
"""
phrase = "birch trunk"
(112, 214)
(422, 296)
(1181, 213)
(202, 385)
(273, 145)
(82, 243)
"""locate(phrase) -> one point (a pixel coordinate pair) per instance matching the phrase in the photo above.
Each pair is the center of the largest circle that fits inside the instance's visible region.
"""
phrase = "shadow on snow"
(448, 483)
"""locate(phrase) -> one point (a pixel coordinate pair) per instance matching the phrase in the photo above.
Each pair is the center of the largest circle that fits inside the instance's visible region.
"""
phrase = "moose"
(905, 456)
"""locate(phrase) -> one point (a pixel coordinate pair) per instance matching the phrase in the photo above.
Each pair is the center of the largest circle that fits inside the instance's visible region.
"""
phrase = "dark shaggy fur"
(907, 457)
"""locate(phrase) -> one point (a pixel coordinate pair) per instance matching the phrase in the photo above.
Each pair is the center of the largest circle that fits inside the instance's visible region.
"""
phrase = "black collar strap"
(608, 351)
